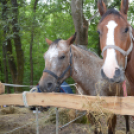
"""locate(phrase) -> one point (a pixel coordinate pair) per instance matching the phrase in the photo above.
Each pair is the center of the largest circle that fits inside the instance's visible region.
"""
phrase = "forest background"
(24, 25)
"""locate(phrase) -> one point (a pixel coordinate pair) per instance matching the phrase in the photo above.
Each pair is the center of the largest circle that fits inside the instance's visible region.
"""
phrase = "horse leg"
(95, 122)
(127, 124)
(111, 124)
(97, 129)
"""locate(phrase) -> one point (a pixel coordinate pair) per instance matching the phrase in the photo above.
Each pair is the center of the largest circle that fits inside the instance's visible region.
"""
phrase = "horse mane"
(56, 41)
(85, 49)
(79, 46)
(94, 53)
(111, 11)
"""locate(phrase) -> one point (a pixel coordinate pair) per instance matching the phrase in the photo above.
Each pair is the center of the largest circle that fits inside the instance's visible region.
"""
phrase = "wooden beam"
(2, 88)
(117, 105)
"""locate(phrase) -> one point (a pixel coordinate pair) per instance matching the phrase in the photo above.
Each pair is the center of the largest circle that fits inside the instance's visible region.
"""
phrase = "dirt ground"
(16, 120)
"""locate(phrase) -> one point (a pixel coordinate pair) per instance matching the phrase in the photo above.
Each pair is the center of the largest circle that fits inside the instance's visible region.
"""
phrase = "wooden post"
(2, 88)
(57, 120)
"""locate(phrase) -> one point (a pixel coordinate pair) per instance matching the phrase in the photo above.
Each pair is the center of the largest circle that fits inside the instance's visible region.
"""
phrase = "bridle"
(125, 53)
(58, 78)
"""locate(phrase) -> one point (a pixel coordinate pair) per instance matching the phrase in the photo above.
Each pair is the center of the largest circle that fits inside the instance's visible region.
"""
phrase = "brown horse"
(63, 60)
(116, 40)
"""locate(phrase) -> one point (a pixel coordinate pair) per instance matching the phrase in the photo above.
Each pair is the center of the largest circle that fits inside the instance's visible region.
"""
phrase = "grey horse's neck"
(86, 69)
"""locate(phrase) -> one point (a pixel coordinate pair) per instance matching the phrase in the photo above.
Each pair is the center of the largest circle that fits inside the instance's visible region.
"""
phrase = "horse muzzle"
(117, 78)
(48, 85)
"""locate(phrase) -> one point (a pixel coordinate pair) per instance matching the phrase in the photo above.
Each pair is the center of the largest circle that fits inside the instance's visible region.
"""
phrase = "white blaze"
(50, 56)
(52, 52)
(110, 62)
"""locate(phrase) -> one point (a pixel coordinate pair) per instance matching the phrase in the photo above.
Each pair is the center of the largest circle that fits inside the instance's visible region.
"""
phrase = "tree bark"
(80, 23)
(105, 1)
(31, 43)
(5, 67)
(11, 62)
(17, 44)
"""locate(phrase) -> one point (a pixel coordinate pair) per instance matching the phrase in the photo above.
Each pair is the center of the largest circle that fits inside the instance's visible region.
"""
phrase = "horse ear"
(49, 42)
(71, 39)
(102, 7)
(124, 6)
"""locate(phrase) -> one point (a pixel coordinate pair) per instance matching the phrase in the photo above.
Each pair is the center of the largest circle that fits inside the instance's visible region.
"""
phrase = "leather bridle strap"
(66, 70)
(125, 53)
(51, 73)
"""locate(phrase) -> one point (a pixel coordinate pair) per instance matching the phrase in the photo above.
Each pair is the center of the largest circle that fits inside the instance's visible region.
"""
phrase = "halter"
(125, 53)
(58, 78)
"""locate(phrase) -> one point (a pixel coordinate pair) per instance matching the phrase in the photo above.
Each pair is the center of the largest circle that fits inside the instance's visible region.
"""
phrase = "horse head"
(58, 60)
(115, 41)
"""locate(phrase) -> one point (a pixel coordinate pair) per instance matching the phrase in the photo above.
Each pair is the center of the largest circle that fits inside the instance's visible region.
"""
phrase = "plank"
(2, 88)
(117, 105)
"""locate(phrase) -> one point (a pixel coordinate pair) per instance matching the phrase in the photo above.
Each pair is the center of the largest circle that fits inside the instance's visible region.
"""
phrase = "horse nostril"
(117, 73)
(49, 85)
(103, 74)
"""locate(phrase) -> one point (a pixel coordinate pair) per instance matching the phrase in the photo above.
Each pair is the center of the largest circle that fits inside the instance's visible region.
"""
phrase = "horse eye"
(62, 57)
(126, 30)
(98, 32)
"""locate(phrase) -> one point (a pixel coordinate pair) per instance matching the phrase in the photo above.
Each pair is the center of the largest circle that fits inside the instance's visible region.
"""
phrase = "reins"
(58, 78)
(125, 53)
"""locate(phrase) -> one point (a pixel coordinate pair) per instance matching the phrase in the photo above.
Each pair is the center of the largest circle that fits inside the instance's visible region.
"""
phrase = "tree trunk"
(17, 44)
(80, 23)
(7, 45)
(5, 67)
(105, 1)
(4, 46)
(11, 62)
(31, 43)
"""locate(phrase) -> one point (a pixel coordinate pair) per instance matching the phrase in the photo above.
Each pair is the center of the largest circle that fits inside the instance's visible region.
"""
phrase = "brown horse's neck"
(130, 69)
(86, 69)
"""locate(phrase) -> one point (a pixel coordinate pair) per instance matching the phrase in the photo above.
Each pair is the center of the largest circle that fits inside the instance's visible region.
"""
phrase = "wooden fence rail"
(117, 105)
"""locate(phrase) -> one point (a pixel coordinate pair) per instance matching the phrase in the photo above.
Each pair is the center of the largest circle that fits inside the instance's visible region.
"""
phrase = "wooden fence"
(117, 105)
